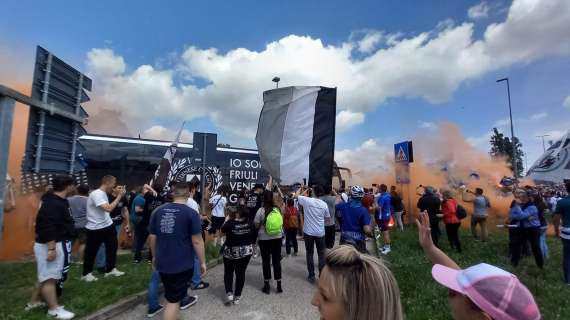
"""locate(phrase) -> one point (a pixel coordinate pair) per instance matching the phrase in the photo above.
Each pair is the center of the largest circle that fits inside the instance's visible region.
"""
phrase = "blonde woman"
(345, 292)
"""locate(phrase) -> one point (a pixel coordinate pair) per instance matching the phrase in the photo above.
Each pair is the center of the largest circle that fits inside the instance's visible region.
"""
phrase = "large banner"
(238, 171)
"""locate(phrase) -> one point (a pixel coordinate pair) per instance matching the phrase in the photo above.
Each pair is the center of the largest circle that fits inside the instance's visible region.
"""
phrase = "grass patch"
(211, 251)
(423, 298)
(17, 280)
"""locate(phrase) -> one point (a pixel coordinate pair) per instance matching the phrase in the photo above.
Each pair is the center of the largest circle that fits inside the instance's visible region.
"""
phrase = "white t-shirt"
(97, 218)
(193, 204)
(315, 211)
(218, 210)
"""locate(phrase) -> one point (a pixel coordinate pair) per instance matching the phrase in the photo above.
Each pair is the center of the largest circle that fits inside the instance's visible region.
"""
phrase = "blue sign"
(403, 152)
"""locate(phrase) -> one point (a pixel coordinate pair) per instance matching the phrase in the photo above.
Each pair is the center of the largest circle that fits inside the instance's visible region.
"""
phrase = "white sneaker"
(61, 313)
(229, 298)
(114, 273)
(89, 278)
(236, 300)
(34, 305)
(386, 251)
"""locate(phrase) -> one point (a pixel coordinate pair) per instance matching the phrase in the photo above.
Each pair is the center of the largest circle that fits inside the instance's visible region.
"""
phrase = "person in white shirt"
(197, 282)
(218, 205)
(100, 229)
(315, 212)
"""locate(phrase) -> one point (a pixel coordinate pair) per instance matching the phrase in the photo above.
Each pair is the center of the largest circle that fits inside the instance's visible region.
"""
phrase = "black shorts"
(383, 224)
(80, 235)
(217, 223)
(176, 285)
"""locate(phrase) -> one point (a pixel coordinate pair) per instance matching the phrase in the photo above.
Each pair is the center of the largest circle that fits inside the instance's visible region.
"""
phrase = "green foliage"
(501, 146)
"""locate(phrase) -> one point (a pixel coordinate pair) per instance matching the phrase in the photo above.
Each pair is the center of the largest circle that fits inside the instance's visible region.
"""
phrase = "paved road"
(293, 303)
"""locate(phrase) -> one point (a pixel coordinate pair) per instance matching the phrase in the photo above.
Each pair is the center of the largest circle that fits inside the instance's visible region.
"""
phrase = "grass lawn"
(423, 298)
(17, 280)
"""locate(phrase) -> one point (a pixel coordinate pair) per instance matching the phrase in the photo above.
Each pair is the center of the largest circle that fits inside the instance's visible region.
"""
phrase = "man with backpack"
(291, 225)
(481, 205)
(315, 212)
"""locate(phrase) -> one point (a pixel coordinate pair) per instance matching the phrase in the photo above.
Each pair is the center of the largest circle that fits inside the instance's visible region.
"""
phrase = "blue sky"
(410, 65)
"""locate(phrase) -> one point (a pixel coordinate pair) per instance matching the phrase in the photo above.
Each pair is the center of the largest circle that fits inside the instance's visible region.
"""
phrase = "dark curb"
(130, 302)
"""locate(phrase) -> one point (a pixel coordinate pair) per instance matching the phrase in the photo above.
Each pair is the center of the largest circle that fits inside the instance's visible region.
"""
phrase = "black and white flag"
(296, 134)
(161, 174)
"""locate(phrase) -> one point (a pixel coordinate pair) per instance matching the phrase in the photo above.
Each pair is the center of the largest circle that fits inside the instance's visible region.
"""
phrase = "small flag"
(161, 173)
(296, 134)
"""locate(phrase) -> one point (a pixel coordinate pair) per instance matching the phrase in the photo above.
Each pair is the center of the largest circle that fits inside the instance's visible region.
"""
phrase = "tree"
(501, 146)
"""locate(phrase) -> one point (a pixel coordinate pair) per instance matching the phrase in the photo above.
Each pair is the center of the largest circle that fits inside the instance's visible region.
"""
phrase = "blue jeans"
(153, 290)
(196, 277)
(566, 259)
(100, 258)
(543, 245)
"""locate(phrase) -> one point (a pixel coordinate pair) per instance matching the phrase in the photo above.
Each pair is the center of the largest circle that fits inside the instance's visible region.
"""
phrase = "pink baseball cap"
(495, 291)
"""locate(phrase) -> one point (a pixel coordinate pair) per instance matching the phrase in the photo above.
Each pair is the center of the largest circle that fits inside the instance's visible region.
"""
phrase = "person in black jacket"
(431, 203)
(397, 207)
(54, 232)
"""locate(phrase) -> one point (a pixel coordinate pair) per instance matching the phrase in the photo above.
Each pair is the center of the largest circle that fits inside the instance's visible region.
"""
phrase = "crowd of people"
(266, 219)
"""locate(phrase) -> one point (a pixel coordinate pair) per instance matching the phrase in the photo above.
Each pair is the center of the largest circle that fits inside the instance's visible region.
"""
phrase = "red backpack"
(292, 218)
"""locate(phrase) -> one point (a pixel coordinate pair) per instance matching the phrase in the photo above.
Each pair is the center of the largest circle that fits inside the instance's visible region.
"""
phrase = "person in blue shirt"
(175, 237)
(524, 213)
(354, 220)
(383, 213)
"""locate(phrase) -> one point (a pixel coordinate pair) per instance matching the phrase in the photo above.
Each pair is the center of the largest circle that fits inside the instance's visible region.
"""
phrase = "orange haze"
(447, 148)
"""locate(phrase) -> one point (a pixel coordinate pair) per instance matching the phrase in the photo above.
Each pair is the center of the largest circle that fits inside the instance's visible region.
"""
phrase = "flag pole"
(161, 173)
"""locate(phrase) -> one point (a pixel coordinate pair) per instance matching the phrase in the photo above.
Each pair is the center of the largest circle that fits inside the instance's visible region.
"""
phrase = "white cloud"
(347, 119)
(366, 161)
(533, 29)
(104, 63)
(478, 11)
(502, 123)
(426, 125)
(162, 133)
(553, 134)
(430, 65)
(566, 102)
(538, 116)
(481, 142)
(369, 42)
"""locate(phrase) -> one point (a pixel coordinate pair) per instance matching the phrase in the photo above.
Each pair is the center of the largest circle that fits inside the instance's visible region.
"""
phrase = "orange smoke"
(446, 160)
(18, 236)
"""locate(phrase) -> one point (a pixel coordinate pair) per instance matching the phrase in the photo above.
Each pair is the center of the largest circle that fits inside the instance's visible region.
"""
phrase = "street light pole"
(515, 166)
(543, 145)
(276, 80)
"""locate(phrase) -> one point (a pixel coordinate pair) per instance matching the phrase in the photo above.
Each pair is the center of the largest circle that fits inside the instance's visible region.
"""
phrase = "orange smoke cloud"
(446, 160)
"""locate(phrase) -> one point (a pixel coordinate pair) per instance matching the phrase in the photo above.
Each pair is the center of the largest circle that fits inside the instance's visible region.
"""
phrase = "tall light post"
(276, 80)
(543, 145)
(515, 166)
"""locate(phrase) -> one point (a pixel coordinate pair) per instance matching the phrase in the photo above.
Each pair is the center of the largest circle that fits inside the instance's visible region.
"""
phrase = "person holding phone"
(100, 229)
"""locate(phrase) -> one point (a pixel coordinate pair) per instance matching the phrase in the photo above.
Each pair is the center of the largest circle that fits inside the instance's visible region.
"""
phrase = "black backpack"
(461, 213)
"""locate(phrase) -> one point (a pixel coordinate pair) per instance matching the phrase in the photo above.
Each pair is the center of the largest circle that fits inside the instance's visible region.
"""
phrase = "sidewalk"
(293, 303)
